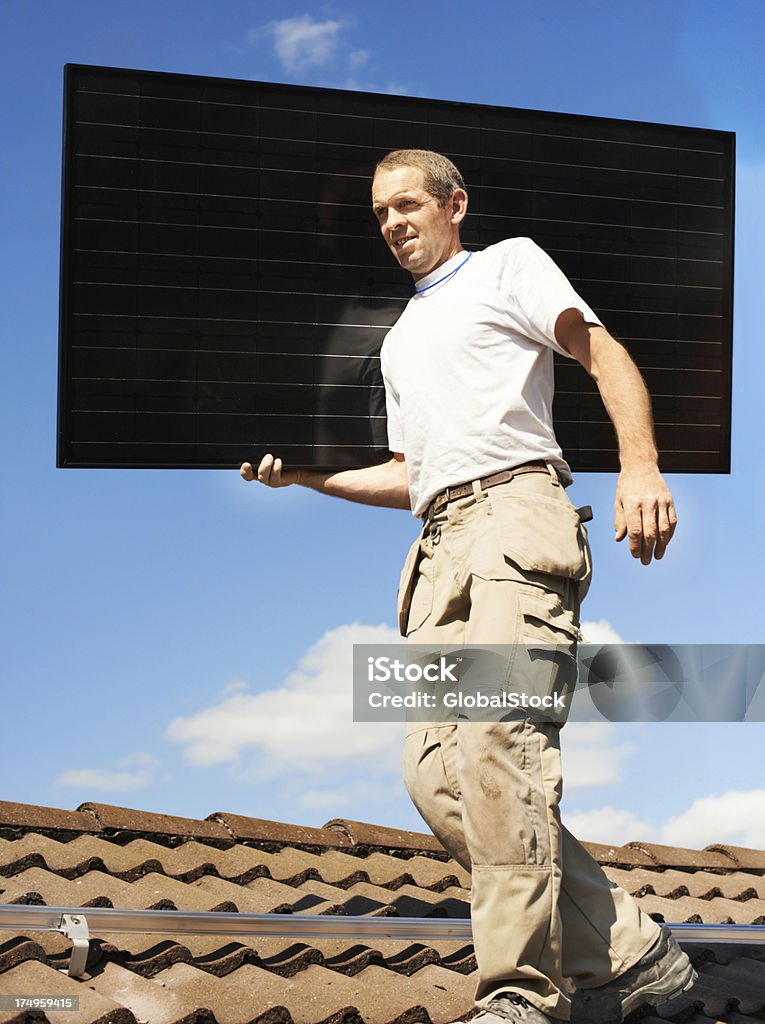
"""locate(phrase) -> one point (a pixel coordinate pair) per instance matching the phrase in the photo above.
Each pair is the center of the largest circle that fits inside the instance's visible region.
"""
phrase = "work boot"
(663, 973)
(510, 1006)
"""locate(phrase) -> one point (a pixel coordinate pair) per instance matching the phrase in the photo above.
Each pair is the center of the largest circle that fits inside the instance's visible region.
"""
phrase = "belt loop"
(553, 474)
(478, 493)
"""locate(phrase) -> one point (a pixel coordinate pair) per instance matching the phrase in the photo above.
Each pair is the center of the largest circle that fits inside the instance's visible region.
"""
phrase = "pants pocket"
(415, 592)
(546, 661)
(538, 534)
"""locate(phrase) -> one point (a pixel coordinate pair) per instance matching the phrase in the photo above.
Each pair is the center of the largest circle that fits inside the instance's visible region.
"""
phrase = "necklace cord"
(421, 291)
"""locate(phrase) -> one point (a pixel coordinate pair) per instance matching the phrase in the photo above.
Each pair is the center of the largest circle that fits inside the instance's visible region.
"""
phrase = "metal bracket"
(75, 927)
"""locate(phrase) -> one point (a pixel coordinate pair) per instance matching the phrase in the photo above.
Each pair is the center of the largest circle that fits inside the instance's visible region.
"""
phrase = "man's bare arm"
(386, 485)
(643, 508)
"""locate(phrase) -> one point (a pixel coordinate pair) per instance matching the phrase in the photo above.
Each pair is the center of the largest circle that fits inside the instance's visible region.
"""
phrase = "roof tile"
(318, 997)
(163, 893)
(276, 832)
(230, 1001)
(701, 884)
(148, 1000)
(33, 977)
(623, 856)
(18, 949)
(359, 833)
(742, 856)
(94, 888)
(32, 816)
(264, 895)
(126, 819)
(356, 869)
(674, 857)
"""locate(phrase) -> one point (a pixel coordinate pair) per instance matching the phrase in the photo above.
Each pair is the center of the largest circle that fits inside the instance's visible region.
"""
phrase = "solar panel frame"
(646, 246)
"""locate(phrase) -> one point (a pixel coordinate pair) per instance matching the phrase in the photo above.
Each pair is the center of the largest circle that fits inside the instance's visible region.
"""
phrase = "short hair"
(441, 175)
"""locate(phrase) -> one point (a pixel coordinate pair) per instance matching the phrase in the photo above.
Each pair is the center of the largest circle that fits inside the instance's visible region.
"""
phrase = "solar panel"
(225, 290)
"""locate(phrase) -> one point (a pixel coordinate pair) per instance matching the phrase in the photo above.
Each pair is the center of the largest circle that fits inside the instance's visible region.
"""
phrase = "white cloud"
(144, 766)
(235, 686)
(601, 632)
(357, 59)
(609, 825)
(591, 755)
(302, 42)
(305, 723)
(368, 789)
(736, 817)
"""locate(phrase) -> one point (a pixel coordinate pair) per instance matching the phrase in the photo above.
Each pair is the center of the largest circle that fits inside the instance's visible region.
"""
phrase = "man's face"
(421, 234)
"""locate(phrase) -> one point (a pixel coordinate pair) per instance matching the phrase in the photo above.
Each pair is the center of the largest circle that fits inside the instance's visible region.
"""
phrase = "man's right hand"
(384, 484)
(270, 472)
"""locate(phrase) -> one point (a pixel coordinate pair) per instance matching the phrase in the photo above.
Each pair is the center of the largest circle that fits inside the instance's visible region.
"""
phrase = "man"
(503, 558)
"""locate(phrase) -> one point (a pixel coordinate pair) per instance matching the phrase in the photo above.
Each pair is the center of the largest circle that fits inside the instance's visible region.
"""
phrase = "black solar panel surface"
(225, 291)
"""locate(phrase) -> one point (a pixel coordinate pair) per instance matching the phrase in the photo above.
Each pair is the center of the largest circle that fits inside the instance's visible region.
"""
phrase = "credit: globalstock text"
(510, 701)
(559, 682)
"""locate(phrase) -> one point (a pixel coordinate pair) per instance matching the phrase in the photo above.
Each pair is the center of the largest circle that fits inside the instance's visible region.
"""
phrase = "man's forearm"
(626, 399)
(643, 507)
(385, 485)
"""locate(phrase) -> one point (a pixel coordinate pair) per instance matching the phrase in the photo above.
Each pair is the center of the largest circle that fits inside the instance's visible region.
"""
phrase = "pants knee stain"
(488, 785)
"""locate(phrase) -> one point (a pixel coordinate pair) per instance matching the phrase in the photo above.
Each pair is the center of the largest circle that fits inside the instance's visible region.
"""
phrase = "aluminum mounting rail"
(329, 926)
(80, 923)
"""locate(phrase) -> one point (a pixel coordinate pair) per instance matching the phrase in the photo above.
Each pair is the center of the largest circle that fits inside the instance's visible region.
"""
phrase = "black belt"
(463, 490)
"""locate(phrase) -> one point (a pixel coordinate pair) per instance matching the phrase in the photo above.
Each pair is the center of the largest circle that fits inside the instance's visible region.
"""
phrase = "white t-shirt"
(468, 367)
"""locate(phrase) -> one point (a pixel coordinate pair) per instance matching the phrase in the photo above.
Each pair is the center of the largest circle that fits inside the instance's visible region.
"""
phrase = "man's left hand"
(644, 510)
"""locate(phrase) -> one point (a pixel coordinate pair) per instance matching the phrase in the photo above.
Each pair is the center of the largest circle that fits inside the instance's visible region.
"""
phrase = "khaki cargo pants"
(503, 566)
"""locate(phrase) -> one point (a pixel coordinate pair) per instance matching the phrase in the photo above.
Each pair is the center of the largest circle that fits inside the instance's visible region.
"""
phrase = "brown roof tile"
(230, 1000)
(155, 890)
(741, 856)
(94, 888)
(675, 857)
(125, 819)
(686, 909)
(289, 865)
(148, 1000)
(318, 994)
(423, 871)
(32, 816)
(264, 895)
(313, 996)
(362, 869)
(701, 884)
(623, 856)
(18, 949)
(452, 902)
(276, 832)
(359, 833)
(148, 954)
(33, 977)
(52, 944)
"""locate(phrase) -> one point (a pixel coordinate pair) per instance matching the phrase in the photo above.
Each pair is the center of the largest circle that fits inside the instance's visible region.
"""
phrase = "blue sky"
(176, 641)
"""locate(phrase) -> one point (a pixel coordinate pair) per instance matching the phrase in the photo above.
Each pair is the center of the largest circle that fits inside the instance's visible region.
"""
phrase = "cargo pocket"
(415, 591)
(546, 662)
(538, 534)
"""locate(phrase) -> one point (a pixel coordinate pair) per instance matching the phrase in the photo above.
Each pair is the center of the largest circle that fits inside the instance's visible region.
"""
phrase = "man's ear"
(459, 205)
